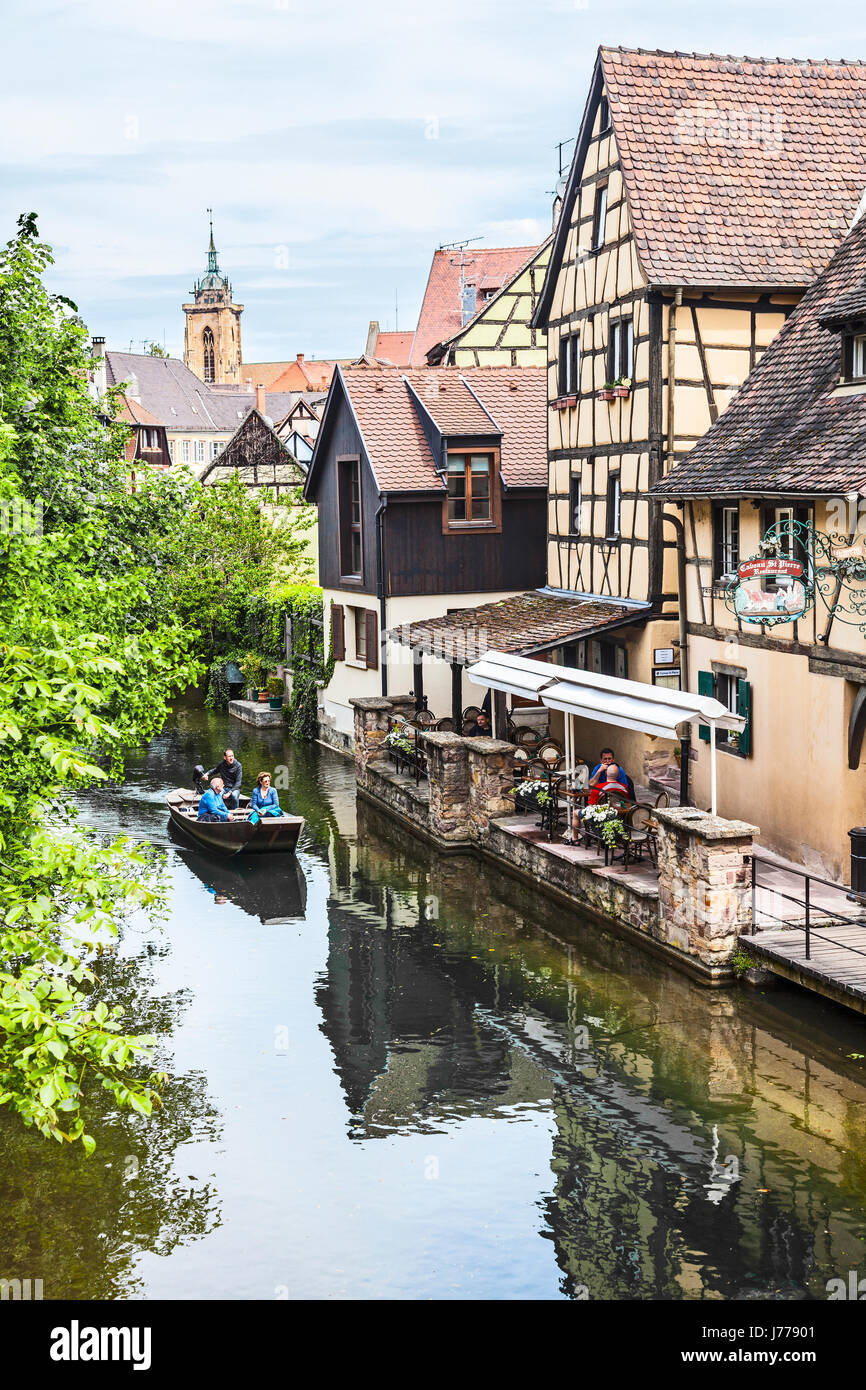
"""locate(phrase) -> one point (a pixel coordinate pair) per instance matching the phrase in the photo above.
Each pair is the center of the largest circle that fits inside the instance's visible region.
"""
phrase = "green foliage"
(276, 686)
(302, 603)
(741, 961)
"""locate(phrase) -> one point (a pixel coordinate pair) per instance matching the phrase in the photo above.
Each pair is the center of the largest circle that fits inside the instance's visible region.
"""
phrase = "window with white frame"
(726, 540)
(184, 451)
(215, 448)
(199, 451)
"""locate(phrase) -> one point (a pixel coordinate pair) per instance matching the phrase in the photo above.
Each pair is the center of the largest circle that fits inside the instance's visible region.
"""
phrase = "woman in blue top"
(264, 800)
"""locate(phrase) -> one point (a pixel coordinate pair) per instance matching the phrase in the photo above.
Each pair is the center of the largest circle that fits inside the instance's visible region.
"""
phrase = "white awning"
(498, 671)
(650, 709)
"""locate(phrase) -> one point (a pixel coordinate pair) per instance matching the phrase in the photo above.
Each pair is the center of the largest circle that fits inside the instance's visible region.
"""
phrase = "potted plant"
(605, 822)
(606, 392)
(622, 386)
(532, 795)
(252, 672)
(276, 691)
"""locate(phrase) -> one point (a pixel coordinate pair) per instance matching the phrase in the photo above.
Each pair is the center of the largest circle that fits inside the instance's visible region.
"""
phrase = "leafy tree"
(91, 653)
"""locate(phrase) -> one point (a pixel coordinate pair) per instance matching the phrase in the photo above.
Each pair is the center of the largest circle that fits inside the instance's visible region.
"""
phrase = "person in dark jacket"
(481, 727)
(231, 773)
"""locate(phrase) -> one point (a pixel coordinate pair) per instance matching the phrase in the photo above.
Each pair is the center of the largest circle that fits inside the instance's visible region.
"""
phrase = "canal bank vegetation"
(112, 597)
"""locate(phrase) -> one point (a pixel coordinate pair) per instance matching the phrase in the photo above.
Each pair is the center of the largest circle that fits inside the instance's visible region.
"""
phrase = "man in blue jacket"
(230, 772)
(211, 806)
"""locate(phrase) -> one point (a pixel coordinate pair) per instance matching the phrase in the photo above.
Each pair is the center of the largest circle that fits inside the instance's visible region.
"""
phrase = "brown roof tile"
(788, 429)
(725, 161)
(441, 313)
(523, 623)
(506, 401)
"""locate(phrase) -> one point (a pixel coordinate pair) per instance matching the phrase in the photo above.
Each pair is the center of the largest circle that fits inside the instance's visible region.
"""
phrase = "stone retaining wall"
(694, 914)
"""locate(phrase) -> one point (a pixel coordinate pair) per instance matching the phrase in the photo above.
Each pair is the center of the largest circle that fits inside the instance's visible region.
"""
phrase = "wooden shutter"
(744, 708)
(706, 686)
(338, 632)
(372, 633)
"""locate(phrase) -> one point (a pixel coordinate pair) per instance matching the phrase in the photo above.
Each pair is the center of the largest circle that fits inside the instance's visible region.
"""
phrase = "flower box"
(604, 395)
(623, 391)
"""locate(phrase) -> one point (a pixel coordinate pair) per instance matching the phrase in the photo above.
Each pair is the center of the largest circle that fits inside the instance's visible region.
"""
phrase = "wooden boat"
(238, 836)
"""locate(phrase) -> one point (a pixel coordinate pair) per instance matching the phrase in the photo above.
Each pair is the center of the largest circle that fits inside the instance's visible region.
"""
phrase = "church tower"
(212, 342)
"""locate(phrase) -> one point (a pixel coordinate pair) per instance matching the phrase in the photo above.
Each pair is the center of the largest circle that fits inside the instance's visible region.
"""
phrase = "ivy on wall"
(304, 611)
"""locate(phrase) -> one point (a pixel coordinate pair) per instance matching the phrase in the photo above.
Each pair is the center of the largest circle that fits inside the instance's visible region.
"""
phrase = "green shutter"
(744, 708)
(706, 686)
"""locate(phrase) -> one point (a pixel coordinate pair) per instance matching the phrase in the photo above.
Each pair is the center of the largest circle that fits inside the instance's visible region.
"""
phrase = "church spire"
(212, 267)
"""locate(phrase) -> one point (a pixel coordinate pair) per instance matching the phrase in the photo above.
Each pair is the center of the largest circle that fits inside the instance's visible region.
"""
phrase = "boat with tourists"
(245, 832)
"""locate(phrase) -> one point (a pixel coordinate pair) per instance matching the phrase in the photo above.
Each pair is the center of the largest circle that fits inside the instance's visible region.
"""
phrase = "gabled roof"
(437, 351)
(789, 429)
(174, 395)
(441, 313)
(134, 413)
(725, 161)
(257, 456)
(505, 402)
(394, 348)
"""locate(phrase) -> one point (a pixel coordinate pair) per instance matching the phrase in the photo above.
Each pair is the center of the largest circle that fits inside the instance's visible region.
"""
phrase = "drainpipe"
(686, 742)
(380, 587)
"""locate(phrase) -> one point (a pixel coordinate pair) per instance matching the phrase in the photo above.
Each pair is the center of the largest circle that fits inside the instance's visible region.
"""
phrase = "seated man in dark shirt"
(231, 773)
(481, 727)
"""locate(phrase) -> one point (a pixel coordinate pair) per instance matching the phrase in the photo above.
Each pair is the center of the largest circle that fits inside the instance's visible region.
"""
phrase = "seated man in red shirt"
(613, 781)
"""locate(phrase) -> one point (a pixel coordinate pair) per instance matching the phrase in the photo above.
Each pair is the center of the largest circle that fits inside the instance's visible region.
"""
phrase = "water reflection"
(697, 1152)
(397, 1074)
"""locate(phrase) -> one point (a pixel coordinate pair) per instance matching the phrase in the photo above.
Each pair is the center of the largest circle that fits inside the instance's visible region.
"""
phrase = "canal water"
(396, 1074)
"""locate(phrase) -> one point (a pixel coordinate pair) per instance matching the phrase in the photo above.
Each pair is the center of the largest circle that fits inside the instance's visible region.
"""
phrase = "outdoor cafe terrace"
(688, 882)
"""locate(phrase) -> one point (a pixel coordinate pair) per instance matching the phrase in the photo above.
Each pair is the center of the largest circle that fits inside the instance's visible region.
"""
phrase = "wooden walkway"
(837, 964)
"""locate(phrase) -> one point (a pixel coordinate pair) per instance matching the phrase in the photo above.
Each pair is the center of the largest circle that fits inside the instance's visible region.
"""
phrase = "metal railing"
(810, 909)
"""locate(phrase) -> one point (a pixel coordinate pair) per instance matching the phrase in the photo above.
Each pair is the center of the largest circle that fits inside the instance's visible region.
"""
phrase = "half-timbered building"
(704, 196)
(501, 332)
(431, 489)
(787, 460)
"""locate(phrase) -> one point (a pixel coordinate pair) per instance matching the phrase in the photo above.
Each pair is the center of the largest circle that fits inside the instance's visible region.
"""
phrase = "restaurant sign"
(773, 587)
(770, 590)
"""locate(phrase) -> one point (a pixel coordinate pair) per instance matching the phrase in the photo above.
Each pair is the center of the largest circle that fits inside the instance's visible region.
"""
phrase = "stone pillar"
(490, 775)
(403, 705)
(705, 876)
(373, 718)
(448, 778)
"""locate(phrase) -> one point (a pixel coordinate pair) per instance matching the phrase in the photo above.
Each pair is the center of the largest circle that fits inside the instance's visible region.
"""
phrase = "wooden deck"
(837, 964)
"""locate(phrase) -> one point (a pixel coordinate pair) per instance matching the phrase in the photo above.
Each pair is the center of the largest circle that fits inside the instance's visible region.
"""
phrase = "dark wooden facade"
(417, 557)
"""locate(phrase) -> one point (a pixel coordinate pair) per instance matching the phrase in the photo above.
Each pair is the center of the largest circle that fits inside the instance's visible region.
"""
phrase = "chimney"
(260, 399)
(300, 357)
(99, 378)
(372, 337)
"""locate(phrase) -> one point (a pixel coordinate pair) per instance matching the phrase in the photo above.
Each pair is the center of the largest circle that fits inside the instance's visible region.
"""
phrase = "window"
(208, 354)
(620, 349)
(184, 450)
(732, 690)
(469, 489)
(366, 631)
(199, 451)
(726, 541)
(351, 550)
(854, 357)
(171, 449)
(575, 504)
(215, 448)
(599, 216)
(612, 509)
(360, 634)
(603, 116)
(569, 364)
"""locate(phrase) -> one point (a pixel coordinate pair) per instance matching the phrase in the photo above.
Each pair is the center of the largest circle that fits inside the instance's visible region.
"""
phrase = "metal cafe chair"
(663, 800)
(471, 713)
(445, 726)
(642, 834)
(424, 719)
(527, 737)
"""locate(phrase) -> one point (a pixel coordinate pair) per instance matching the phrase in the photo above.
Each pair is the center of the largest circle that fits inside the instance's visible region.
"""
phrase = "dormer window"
(854, 356)
(472, 498)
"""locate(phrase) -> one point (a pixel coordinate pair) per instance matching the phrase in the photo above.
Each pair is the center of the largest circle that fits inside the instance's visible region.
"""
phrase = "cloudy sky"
(338, 141)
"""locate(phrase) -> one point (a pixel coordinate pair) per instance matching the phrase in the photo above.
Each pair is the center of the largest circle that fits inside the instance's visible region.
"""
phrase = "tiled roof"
(450, 403)
(849, 306)
(513, 396)
(175, 395)
(394, 348)
(441, 312)
(257, 457)
(135, 413)
(727, 160)
(396, 443)
(524, 623)
(790, 428)
(302, 375)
